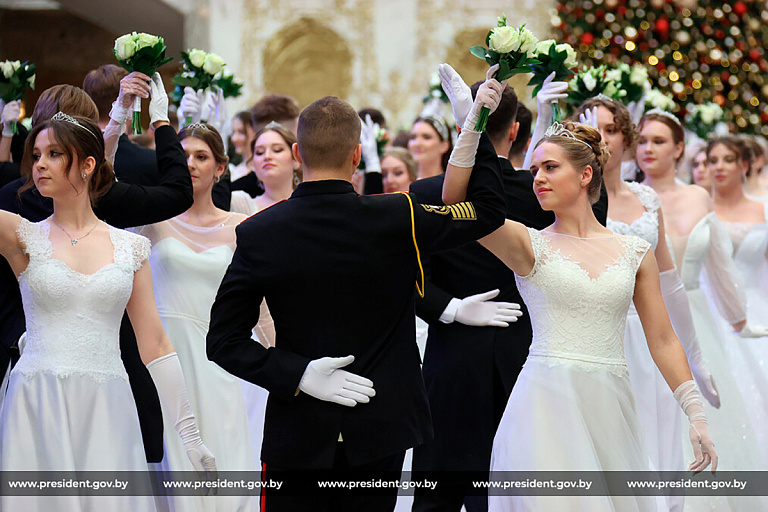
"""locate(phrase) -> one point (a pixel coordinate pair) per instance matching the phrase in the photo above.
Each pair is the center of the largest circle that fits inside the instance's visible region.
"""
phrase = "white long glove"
(549, 93)
(687, 395)
(589, 118)
(214, 112)
(457, 91)
(368, 133)
(636, 110)
(324, 380)
(753, 331)
(478, 310)
(169, 381)
(191, 106)
(158, 104)
(488, 95)
(676, 301)
(11, 114)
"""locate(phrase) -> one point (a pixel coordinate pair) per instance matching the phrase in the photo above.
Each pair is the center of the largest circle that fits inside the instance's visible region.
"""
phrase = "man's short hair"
(275, 107)
(376, 116)
(502, 118)
(103, 85)
(328, 133)
(525, 118)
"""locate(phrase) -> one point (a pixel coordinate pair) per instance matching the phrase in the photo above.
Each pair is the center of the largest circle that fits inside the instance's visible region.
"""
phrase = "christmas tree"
(698, 51)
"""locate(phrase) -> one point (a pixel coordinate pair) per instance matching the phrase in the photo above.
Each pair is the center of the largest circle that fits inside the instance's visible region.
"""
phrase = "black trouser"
(338, 500)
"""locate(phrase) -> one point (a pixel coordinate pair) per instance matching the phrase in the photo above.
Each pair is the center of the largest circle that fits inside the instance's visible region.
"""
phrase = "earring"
(217, 179)
(85, 176)
(296, 177)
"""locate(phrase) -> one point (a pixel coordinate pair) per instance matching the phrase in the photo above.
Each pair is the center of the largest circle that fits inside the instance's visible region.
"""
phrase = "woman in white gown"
(190, 254)
(69, 405)
(700, 248)
(635, 209)
(572, 406)
(744, 218)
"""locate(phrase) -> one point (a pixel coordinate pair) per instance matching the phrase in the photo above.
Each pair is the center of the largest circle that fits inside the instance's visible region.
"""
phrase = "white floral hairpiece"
(558, 130)
(664, 113)
(61, 116)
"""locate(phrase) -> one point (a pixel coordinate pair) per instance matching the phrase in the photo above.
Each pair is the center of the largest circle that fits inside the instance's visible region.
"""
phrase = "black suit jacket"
(337, 271)
(124, 205)
(470, 371)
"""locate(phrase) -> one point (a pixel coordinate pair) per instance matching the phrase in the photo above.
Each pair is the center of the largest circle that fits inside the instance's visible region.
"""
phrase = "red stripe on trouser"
(263, 500)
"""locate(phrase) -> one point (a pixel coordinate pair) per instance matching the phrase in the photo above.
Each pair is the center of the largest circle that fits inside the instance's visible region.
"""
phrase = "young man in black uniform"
(472, 359)
(337, 271)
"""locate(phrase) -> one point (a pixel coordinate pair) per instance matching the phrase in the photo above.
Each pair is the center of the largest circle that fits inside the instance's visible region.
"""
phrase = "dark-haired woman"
(190, 254)
(430, 144)
(69, 405)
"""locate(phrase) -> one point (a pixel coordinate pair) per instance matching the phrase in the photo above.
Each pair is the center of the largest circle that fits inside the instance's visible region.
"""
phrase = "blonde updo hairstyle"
(588, 150)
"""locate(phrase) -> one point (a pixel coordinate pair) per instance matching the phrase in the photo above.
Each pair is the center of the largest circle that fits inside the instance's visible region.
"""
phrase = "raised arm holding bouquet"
(559, 59)
(512, 49)
(144, 53)
(16, 77)
(200, 78)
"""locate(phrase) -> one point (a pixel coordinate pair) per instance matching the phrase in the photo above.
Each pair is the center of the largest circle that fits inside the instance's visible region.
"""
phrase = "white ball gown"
(660, 414)
(69, 405)
(188, 263)
(572, 407)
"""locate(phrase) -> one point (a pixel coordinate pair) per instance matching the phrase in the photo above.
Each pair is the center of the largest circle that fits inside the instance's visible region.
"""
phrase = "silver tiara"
(439, 125)
(197, 126)
(558, 130)
(603, 97)
(664, 113)
(61, 116)
(272, 125)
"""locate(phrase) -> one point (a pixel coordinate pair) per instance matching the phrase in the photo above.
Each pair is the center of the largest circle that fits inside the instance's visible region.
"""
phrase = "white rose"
(197, 57)
(7, 68)
(31, 81)
(143, 40)
(213, 64)
(658, 99)
(613, 74)
(504, 39)
(571, 60)
(574, 85)
(543, 46)
(125, 47)
(528, 41)
(612, 91)
(16, 65)
(638, 75)
(434, 80)
(436, 94)
(589, 81)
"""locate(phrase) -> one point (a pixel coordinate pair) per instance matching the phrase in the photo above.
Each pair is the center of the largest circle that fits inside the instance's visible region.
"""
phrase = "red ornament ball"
(662, 25)
(587, 38)
(740, 8)
(754, 54)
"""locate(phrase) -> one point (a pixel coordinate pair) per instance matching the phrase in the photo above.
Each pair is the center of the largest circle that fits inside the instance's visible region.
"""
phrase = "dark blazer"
(124, 205)
(337, 271)
(469, 371)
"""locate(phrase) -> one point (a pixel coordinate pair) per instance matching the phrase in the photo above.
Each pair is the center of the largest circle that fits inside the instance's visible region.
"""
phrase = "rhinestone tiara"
(664, 113)
(558, 130)
(439, 125)
(62, 117)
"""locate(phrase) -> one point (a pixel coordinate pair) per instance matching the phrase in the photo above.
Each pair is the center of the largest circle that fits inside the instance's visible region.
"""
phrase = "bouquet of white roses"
(632, 81)
(657, 99)
(140, 52)
(15, 79)
(199, 71)
(557, 58)
(509, 47)
(229, 84)
(590, 82)
(436, 92)
(701, 119)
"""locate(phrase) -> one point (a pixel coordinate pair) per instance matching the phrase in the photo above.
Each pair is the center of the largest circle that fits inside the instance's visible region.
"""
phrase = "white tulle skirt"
(563, 417)
(73, 423)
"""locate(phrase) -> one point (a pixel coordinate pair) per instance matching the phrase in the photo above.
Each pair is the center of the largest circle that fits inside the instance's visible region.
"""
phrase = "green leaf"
(478, 51)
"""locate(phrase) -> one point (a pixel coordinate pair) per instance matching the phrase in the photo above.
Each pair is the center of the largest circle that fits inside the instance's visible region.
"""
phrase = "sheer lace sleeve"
(34, 238)
(539, 245)
(24, 235)
(647, 196)
(721, 276)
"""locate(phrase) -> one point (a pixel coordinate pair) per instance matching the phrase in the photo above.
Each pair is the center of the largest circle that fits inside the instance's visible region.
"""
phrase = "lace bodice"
(73, 319)
(647, 225)
(578, 294)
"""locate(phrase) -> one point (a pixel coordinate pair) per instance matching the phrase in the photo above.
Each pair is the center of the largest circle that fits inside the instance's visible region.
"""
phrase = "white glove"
(169, 381)
(688, 397)
(457, 91)
(368, 133)
(191, 106)
(479, 310)
(216, 114)
(676, 301)
(133, 85)
(11, 113)
(636, 110)
(158, 105)
(589, 118)
(325, 381)
(549, 93)
(488, 95)
(753, 331)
